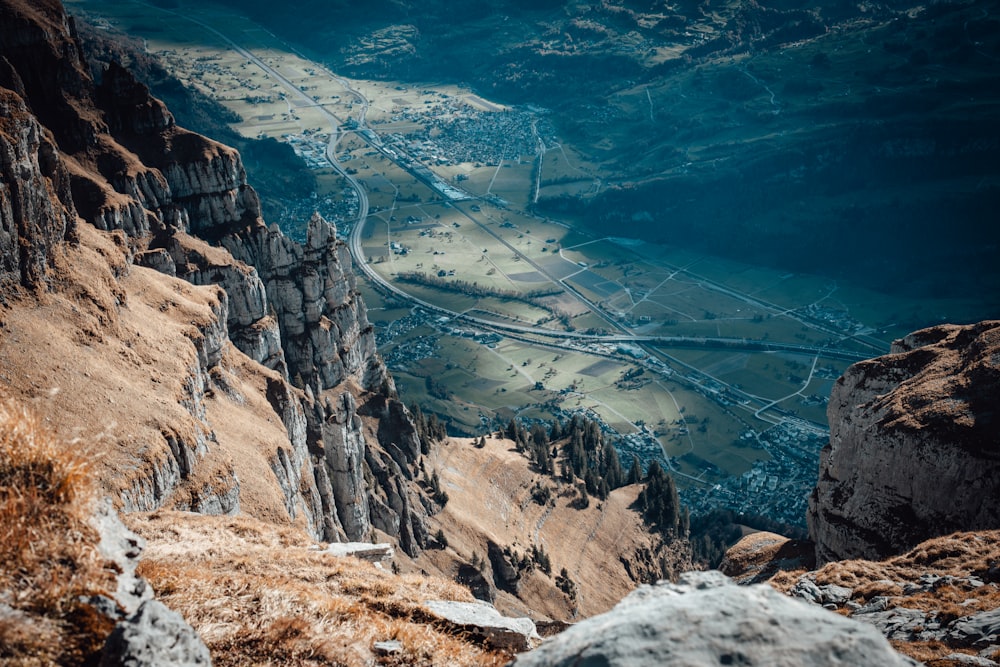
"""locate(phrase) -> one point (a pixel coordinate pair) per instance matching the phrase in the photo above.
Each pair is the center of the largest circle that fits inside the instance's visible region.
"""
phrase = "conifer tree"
(635, 472)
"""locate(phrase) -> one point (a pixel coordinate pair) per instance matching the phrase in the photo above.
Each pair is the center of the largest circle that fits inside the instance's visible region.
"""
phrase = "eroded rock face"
(706, 619)
(36, 208)
(111, 154)
(324, 325)
(155, 635)
(914, 446)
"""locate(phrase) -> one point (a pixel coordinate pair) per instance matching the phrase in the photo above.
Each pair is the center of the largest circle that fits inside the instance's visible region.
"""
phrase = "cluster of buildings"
(454, 132)
(400, 356)
(777, 488)
(838, 318)
(310, 146)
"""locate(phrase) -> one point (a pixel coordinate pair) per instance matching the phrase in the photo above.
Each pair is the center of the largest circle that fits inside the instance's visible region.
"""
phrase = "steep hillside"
(498, 503)
(185, 394)
(256, 591)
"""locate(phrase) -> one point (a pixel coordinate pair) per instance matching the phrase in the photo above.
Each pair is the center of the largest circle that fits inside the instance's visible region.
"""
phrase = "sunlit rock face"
(109, 154)
(323, 321)
(914, 445)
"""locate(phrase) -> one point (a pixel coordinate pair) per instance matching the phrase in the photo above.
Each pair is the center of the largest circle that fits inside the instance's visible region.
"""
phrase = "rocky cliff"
(35, 203)
(914, 446)
(104, 204)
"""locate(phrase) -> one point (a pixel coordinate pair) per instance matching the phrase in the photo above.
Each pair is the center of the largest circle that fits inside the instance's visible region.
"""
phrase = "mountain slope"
(100, 183)
(497, 503)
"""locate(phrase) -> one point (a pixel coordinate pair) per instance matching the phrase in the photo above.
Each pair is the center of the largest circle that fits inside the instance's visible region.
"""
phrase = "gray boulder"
(155, 637)
(964, 659)
(122, 547)
(706, 619)
(482, 620)
(373, 553)
(979, 630)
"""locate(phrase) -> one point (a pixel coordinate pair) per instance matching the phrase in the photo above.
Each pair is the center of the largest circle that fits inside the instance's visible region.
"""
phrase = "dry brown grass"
(605, 547)
(259, 594)
(48, 550)
(958, 555)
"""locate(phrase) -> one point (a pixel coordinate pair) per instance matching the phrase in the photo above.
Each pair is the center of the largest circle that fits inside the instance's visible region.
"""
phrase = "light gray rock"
(902, 623)
(373, 553)
(828, 594)
(876, 604)
(391, 647)
(808, 591)
(122, 547)
(834, 594)
(157, 259)
(481, 619)
(155, 636)
(705, 620)
(344, 445)
(978, 630)
(322, 319)
(965, 659)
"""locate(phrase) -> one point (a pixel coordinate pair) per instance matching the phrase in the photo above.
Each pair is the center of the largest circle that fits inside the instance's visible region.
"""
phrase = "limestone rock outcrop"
(155, 635)
(108, 154)
(323, 323)
(481, 619)
(37, 213)
(146, 632)
(914, 446)
(706, 619)
(937, 600)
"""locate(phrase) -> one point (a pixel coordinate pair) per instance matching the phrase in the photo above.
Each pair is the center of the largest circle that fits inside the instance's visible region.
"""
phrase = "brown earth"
(104, 359)
(605, 548)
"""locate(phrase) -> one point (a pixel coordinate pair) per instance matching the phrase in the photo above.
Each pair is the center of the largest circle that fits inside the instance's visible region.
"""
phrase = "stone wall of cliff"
(36, 208)
(116, 160)
(914, 446)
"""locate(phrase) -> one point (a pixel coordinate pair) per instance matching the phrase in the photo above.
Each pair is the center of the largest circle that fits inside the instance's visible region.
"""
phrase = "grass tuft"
(48, 550)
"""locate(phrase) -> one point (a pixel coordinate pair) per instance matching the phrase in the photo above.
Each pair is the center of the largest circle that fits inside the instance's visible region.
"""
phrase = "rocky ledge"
(914, 446)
